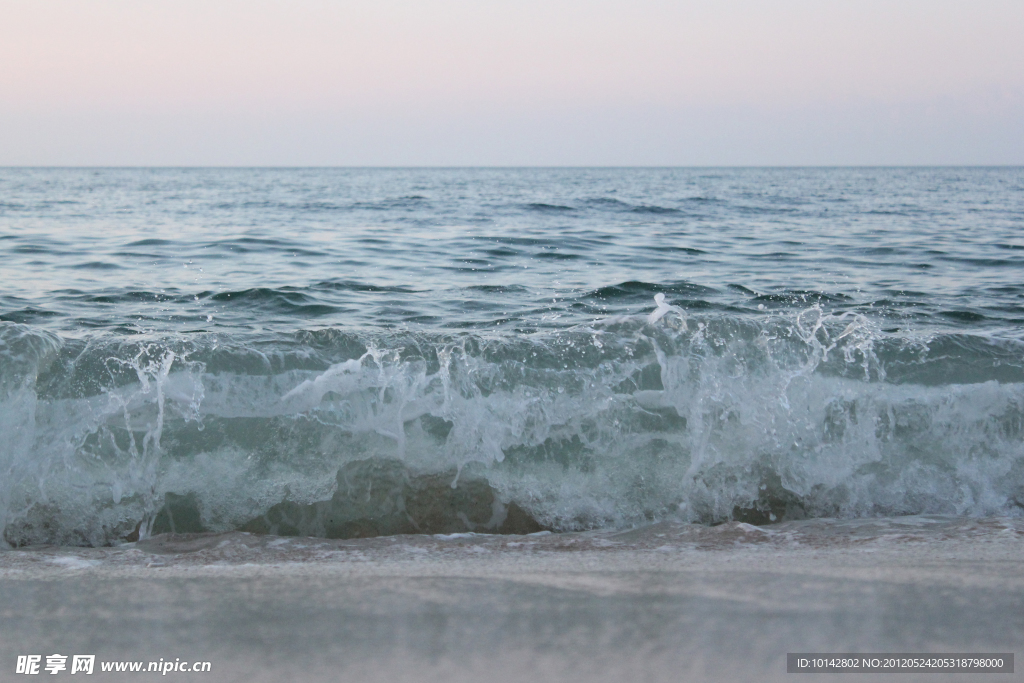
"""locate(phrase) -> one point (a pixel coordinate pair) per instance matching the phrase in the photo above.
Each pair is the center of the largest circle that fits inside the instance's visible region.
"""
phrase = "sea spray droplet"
(662, 309)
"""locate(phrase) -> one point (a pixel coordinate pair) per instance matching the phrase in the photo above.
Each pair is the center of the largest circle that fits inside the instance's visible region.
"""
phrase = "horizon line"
(492, 167)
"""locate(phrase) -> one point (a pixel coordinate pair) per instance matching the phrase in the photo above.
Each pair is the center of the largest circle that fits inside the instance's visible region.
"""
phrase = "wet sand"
(669, 602)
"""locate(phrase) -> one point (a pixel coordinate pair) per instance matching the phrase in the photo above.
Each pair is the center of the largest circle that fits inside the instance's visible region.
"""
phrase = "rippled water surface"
(163, 250)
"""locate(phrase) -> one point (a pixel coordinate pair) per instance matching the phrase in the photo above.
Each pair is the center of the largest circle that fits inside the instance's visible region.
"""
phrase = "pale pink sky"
(461, 82)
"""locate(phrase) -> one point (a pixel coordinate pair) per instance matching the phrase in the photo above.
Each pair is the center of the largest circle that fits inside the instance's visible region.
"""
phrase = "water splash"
(703, 418)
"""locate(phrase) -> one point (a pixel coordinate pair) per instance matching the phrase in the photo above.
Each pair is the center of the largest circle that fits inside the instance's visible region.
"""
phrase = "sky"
(511, 83)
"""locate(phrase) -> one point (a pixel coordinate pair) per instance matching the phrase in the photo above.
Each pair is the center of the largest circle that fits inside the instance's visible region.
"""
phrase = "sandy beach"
(668, 602)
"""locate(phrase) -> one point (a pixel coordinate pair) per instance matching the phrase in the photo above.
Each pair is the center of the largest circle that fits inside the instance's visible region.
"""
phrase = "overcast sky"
(515, 82)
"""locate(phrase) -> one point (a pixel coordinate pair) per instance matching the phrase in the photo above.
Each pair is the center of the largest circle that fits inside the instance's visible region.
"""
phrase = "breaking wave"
(669, 414)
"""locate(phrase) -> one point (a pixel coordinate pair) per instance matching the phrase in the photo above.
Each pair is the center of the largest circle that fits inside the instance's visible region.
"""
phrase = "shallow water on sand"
(669, 538)
(664, 602)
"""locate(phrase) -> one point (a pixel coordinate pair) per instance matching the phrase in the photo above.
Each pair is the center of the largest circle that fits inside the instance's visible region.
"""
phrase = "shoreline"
(664, 602)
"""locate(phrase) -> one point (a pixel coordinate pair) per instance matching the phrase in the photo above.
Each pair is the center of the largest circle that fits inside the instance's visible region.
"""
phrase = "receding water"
(348, 352)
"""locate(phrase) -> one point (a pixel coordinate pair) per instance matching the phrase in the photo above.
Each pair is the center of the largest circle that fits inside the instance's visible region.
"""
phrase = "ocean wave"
(678, 414)
(555, 208)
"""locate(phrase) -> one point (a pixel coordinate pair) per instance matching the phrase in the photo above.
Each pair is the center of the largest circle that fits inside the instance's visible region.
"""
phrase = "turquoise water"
(352, 352)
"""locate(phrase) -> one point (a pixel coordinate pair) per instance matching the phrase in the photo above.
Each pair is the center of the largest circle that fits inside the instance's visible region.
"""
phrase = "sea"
(368, 352)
